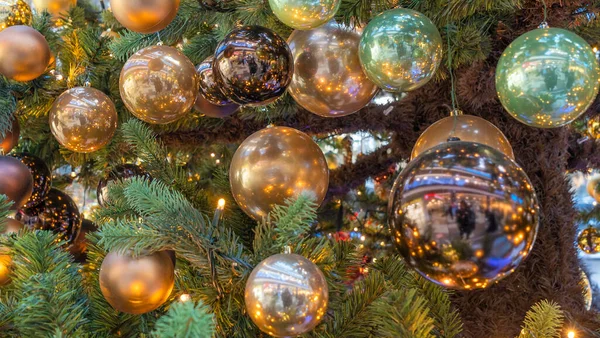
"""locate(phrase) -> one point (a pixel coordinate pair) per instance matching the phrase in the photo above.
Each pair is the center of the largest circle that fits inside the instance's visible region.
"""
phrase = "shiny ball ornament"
(56, 8)
(83, 119)
(57, 213)
(209, 109)
(12, 226)
(118, 173)
(14, 12)
(463, 215)
(467, 128)
(144, 16)
(137, 284)
(328, 79)
(400, 50)
(159, 84)
(275, 164)
(5, 269)
(208, 87)
(587, 290)
(16, 181)
(42, 178)
(253, 66)
(24, 53)
(593, 189)
(304, 14)
(547, 77)
(588, 240)
(79, 247)
(11, 137)
(286, 295)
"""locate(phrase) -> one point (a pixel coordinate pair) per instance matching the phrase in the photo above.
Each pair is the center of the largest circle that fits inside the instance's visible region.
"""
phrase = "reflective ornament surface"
(118, 173)
(587, 290)
(593, 189)
(547, 77)
(304, 14)
(593, 127)
(253, 66)
(57, 213)
(588, 240)
(11, 138)
(208, 87)
(24, 53)
(5, 269)
(400, 50)
(12, 226)
(328, 79)
(42, 178)
(212, 110)
(14, 12)
(467, 128)
(16, 181)
(137, 284)
(144, 16)
(56, 8)
(83, 119)
(463, 215)
(159, 84)
(275, 164)
(79, 247)
(286, 295)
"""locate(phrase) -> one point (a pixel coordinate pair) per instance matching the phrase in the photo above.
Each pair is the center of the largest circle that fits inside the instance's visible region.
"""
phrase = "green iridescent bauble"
(547, 77)
(400, 50)
(304, 14)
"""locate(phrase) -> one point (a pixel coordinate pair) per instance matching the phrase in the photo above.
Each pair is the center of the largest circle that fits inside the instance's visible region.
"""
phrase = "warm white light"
(221, 203)
(185, 297)
(571, 334)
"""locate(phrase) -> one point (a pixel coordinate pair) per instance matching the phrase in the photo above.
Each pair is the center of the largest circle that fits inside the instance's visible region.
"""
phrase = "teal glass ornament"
(304, 14)
(400, 50)
(547, 77)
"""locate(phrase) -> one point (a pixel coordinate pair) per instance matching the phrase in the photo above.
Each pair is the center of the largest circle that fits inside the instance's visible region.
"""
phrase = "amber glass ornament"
(253, 66)
(275, 164)
(137, 284)
(286, 295)
(466, 128)
(5, 269)
(16, 181)
(11, 138)
(144, 16)
(159, 84)
(57, 213)
(24, 53)
(304, 14)
(42, 178)
(14, 12)
(56, 8)
(118, 173)
(463, 215)
(588, 240)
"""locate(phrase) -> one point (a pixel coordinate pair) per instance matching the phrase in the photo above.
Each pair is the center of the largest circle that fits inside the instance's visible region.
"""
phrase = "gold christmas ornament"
(16, 181)
(592, 188)
(11, 138)
(159, 84)
(588, 240)
(24, 53)
(286, 295)
(304, 14)
(144, 16)
(137, 285)
(56, 8)
(5, 269)
(467, 128)
(593, 127)
(83, 119)
(12, 226)
(14, 13)
(274, 164)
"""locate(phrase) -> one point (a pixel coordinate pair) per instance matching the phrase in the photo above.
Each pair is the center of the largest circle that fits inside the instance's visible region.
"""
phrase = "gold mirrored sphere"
(5, 269)
(144, 16)
(588, 240)
(56, 8)
(24, 53)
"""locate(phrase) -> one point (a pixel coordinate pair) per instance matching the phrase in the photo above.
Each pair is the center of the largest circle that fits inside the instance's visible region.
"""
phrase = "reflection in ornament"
(588, 240)
(304, 14)
(16, 181)
(587, 290)
(463, 214)
(593, 189)
(547, 77)
(208, 87)
(205, 107)
(5, 269)
(42, 178)
(286, 295)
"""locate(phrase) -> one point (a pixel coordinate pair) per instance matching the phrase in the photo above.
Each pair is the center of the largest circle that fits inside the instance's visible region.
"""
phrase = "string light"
(221, 203)
(185, 298)
(571, 334)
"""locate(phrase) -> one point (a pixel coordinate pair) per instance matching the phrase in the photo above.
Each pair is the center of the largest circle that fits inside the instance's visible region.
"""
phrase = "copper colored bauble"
(467, 128)
(56, 8)
(203, 106)
(159, 84)
(16, 181)
(137, 285)
(14, 12)
(79, 247)
(24, 53)
(588, 240)
(593, 189)
(144, 16)
(328, 79)
(208, 87)
(463, 215)
(5, 269)
(12, 226)
(57, 213)
(286, 295)
(83, 119)
(118, 173)
(42, 178)
(275, 164)
(11, 138)
(253, 66)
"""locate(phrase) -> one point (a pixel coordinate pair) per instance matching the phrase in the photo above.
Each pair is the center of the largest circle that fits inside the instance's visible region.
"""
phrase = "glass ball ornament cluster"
(24, 53)
(588, 240)
(463, 215)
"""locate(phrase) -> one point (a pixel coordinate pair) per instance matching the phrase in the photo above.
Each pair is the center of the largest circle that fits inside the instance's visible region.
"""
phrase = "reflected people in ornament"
(42, 178)
(11, 138)
(16, 181)
(57, 212)
(588, 240)
(547, 77)
(208, 87)
(463, 215)
(118, 173)
(253, 66)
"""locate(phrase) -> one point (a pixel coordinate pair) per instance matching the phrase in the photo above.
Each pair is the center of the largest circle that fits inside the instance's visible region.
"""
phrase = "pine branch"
(545, 319)
(402, 313)
(122, 235)
(185, 320)
(294, 219)
(5, 205)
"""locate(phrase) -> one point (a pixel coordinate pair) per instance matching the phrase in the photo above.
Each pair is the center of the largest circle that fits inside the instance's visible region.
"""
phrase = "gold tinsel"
(14, 13)
(593, 127)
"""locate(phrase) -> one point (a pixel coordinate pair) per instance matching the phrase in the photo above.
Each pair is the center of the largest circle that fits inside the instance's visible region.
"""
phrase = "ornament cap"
(456, 112)
(544, 25)
(287, 250)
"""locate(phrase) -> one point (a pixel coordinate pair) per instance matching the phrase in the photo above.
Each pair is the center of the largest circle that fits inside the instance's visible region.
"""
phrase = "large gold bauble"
(467, 128)
(11, 138)
(286, 295)
(5, 269)
(56, 8)
(144, 16)
(159, 84)
(16, 181)
(588, 240)
(592, 188)
(463, 215)
(137, 285)
(328, 79)
(83, 119)
(304, 14)
(24, 53)
(14, 12)
(274, 164)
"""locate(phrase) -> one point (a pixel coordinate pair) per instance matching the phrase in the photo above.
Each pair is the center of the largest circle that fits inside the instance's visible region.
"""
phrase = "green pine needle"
(185, 320)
